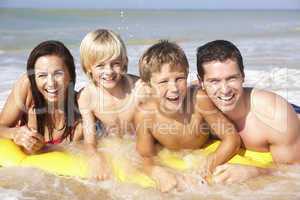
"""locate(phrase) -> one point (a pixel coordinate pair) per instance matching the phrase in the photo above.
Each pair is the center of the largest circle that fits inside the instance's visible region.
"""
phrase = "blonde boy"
(109, 96)
(177, 117)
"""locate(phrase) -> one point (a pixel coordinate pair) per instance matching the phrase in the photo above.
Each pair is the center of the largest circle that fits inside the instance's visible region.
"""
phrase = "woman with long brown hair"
(41, 108)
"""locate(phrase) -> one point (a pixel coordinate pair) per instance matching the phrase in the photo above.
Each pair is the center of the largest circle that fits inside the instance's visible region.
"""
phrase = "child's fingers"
(220, 169)
(221, 178)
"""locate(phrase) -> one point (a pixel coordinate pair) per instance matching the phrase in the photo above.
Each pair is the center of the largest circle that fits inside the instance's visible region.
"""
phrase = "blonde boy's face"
(108, 73)
(170, 87)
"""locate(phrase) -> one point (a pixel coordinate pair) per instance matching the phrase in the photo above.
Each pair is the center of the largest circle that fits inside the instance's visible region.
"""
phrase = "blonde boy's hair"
(100, 45)
(163, 52)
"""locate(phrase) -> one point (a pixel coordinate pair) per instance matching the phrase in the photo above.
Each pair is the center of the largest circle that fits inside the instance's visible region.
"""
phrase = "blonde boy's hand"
(165, 180)
(99, 166)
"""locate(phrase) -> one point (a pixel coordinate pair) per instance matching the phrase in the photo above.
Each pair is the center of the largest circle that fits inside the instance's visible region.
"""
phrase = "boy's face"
(108, 73)
(223, 82)
(170, 88)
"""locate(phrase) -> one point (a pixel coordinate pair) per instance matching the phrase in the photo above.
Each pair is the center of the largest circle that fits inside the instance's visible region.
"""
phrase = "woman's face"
(52, 78)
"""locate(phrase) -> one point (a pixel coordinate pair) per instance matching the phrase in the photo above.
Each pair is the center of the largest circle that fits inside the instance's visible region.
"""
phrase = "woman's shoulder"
(22, 92)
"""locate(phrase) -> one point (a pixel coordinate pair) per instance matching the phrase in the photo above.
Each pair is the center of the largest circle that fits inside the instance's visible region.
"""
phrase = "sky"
(154, 4)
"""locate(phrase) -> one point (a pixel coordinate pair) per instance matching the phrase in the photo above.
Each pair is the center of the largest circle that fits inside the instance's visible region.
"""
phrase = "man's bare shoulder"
(263, 102)
(268, 104)
(274, 111)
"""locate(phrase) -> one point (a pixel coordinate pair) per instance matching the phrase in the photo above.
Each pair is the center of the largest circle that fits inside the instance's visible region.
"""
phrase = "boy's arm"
(145, 141)
(222, 128)
(146, 148)
(88, 120)
(99, 165)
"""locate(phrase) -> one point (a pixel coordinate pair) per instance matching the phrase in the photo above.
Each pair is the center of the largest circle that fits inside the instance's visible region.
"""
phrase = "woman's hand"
(29, 139)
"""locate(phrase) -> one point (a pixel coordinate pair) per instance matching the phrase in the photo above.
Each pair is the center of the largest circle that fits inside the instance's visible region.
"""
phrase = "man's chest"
(254, 134)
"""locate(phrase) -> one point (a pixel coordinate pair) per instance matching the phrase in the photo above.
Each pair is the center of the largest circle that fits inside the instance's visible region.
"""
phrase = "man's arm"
(283, 133)
(222, 128)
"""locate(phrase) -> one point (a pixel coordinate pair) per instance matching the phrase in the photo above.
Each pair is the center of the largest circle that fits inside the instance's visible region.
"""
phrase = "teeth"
(51, 91)
(226, 98)
(173, 98)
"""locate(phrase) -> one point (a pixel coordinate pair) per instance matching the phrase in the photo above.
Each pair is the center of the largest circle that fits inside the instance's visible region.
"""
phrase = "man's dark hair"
(218, 50)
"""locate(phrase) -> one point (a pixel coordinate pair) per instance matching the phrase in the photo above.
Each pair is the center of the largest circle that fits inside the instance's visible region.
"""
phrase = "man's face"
(170, 88)
(223, 82)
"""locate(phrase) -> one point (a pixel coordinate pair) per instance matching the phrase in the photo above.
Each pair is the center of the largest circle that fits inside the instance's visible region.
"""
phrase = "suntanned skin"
(185, 128)
(112, 103)
(19, 105)
(264, 120)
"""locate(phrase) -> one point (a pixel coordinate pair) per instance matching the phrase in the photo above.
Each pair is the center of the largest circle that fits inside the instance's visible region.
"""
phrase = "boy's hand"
(165, 180)
(29, 139)
(206, 167)
(100, 167)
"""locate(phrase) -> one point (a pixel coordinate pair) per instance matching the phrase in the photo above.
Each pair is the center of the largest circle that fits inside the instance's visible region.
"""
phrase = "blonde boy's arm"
(222, 128)
(88, 121)
(99, 166)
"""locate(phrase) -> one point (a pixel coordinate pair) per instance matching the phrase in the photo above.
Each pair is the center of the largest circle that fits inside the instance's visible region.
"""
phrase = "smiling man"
(264, 120)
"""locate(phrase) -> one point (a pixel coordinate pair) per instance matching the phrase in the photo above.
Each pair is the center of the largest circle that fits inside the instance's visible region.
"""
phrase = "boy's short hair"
(218, 50)
(100, 45)
(163, 52)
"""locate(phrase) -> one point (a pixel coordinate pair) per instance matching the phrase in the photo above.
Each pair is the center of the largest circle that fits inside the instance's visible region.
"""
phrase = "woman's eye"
(41, 75)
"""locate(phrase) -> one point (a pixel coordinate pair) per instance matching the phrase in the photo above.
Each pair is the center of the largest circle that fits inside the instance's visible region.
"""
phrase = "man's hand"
(235, 173)
(29, 139)
(165, 180)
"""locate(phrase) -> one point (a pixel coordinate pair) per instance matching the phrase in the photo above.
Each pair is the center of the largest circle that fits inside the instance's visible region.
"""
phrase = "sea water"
(269, 42)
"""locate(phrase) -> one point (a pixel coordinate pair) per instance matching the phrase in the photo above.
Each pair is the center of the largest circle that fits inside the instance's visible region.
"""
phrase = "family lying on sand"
(159, 106)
